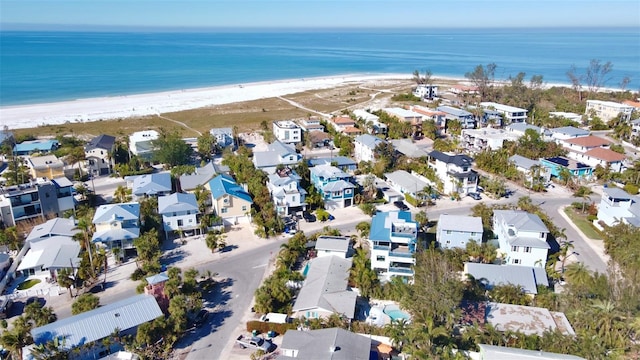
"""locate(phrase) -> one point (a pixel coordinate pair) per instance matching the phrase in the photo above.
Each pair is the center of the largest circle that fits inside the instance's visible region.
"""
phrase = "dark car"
(200, 319)
(474, 196)
(308, 217)
(400, 205)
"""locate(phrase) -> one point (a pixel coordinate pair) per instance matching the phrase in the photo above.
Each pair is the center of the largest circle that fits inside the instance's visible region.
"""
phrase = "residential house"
(53, 227)
(339, 246)
(340, 123)
(343, 163)
(438, 117)
(617, 206)
(478, 140)
(576, 169)
(426, 91)
(35, 146)
(277, 153)
(522, 237)
(608, 110)
(460, 89)
(365, 147)
(85, 332)
(531, 169)
(405, 183)
(141, 143)
(201, 176)
(492, 352)
(47, 166)
(325, 290)
(635, 127)
(372, 122)
(335, 186)
(117, 226)
(566, 115)
(286, 192)
(48, 255)
(585, 143)
(520, 128)
(392, 239)
(179, 212)
(38, 198)
(408, 148)
(634, 104)
(352, 131)
(98, 153)
(407, 116)
(491, 118)
(224, 137)
(455, 172)
(528, 320)
(324, 344)
(311, 124)
(155, 184)
(511, 114)
(565, 133)
(490, 275)
(318, 139)
(287, 131)
(594, 151)
(230, 201)
(456, 231)
(466, 119)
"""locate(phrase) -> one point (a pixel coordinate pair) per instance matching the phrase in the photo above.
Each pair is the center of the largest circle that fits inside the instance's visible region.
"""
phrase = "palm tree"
(396, 331)
(122, 194)
(75, 156)
(212, 240)
(364, 227)
(85, 227)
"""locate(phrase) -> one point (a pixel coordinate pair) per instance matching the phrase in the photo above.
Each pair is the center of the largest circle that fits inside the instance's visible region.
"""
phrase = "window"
(174, 214)
(190, 220)
(224, 210)
(180, 222)
(225, 200)
(527, 249)
(541, 235)
(516, 261)
(473, 234)
(448, 232)
(244, 207)
(379, 258)
(347, 191)
(514, 248)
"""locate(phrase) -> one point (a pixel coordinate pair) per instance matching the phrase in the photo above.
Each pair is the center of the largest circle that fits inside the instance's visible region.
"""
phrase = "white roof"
(403, 113)
(505, 353)
(52, 252)
(501, 107)
(146, 135)
(460, 223)
(528, 320)
(333, 243)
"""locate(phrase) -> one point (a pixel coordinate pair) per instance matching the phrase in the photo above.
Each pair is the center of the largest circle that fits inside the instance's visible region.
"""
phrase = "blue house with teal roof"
(392, 239)
(556, 164)
(33, 146)
(335, 186)
(230, 200)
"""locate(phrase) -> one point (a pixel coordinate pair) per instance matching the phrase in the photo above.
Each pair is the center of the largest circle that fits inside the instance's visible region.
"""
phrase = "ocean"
(48, 66)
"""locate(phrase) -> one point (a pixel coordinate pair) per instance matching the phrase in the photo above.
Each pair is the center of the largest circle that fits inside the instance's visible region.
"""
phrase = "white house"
(286, 192)
(392, 240)
(531, 169)
(607, 110)
(617, 206)
(333, 246)
(98, 154)
(455, 231)
(594, 151)
(156, 184)
(365, 146)
(179, 212)
(455, 172)
(223, 136)
(635, 127)
(522, 237)
(311, 124)
(426, 91)
(117, 225)
(287, 131)
(476, 140)
(372, 122)
(405, 183)
(565, 133)
(140, 143)
(277, 153)
(511, 113)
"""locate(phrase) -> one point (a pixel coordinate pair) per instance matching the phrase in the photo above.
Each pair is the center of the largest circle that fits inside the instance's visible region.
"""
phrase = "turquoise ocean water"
(37, 67)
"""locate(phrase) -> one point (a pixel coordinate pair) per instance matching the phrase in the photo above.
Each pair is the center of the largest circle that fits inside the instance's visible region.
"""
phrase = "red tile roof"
(605, 154)
(352, 130)
(342, 120)
(635, 104)
(588, 141)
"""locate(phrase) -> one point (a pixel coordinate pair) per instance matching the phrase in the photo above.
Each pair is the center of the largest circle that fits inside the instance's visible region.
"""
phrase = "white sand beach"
(104, 108)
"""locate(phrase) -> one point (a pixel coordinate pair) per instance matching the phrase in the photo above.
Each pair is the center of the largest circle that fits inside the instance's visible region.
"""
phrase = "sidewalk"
(596, 245)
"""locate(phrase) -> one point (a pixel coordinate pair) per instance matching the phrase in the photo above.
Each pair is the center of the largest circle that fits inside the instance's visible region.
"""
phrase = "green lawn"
(28, 284)
(581, 222)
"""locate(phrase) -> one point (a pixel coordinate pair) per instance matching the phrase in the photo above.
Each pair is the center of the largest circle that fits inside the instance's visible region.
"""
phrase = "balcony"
(400, 270)
(381, 247)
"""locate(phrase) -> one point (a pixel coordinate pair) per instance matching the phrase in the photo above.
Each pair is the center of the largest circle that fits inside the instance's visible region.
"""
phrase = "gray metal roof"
(52, 253)
(570, 131)
(101, 142)
(408, 148)
(177, 202)
(57, 226)
(119, 212)
(150, 184)
(406, 180)
(328, 171)
(522, 127)
(505, 353)
(333, 243)
(326, 287)
(326, 344)
(200, 177)
(490, 275)
(62, 182)
(460, 223)
(456, 159)
(616, 193)
(339, 185)
(369, 141)
(523, 162)
(521, 220)
(101, 322)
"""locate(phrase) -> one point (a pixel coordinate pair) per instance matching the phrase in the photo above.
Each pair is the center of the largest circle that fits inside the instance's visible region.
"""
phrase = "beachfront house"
(141, 143)
(466, 119)
(98, 153)
(371, 121)
(511, 114)
(555, 166)
(325, 290)
(38, 198)
(29, 147)
(311, 124)
(618, 207)
(454, 170)
(407, 116)
(364, 147)
(522, 237)
(278, 153)
(426, 91)
(156, 184)
(179, 213)
(286, 192)
(334, 185)
(456, 231)
(325, 344)
(478, 140)
(117, 226)
(230, 201)
(224, 137)
(341, 123)
(339, 246)
(287, 131)
(392, 240)
(608, 110)
(47, 166)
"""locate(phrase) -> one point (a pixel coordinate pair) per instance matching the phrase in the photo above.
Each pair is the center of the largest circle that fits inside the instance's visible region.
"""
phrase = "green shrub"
(631, 189)
(264, 327)
(411, 200)
(592, 217)
(322, 215)
(137, 274)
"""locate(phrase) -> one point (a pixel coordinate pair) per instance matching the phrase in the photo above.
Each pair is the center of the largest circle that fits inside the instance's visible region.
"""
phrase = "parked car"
(201, 318)
(256, 343)
(401, 205)
(474, 196)
(5, 306)
(308, 217)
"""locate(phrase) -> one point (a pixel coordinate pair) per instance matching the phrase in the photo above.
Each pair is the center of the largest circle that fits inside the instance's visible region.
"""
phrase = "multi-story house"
(287, 131)
(426, 91)
(334, 185)
(522, 237)
(392, 241)
(576, 169)
(520, 128)
(179, 212)
(230, 201)
(117, 226)
(343, 163)
(617, 206)
(607, 110)
(310, 124)
(466, 119)
(156, 184)
(565, 133)
(585, 143)
(333, 246)
(455, 172)
(438, 117)
(340, 123)
(277, 153)
(477, 140)
(47, 166)
(511, 114)
(35, 146)
(39, 198)
(372, 122)
(98, 155)
(141, 143)
(286, 192)
(635, 127)
(533, 170)
(224, 137)
(455, 231)
(594, 151)
(407, 116)
(364, 147)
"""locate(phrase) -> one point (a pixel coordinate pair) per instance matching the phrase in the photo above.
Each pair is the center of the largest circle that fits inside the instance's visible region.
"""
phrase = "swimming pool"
(395, 313)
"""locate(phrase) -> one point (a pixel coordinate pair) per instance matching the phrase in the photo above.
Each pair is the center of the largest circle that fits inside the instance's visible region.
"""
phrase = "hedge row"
(264, 327)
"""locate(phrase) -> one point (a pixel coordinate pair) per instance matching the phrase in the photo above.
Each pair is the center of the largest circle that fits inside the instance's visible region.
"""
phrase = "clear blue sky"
(327, 13)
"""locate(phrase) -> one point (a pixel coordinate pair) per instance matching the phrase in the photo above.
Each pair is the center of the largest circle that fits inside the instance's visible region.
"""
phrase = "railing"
(400, 270)
(404, 235)
(380, 247)
(401, 254)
